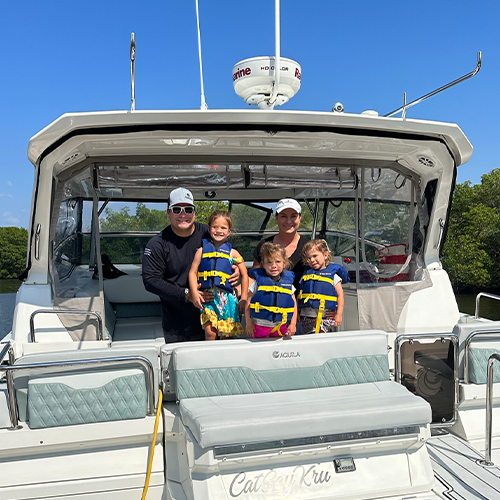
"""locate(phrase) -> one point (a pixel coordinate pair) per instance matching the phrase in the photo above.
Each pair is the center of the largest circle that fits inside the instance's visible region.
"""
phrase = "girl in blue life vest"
(211, 268)
(272, 307)
(321, 298)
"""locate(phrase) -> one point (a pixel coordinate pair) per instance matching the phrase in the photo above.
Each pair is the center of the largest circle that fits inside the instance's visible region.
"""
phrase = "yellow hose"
(150, 465)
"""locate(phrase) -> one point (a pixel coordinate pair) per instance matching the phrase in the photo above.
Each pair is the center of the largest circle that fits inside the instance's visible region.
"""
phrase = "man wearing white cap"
(165, 268)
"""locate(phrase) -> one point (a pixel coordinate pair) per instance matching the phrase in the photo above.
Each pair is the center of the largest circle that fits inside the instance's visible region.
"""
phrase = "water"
(8, 289)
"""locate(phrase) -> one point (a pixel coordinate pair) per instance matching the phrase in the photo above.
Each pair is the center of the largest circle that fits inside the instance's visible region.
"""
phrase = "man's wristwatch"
(186, 294)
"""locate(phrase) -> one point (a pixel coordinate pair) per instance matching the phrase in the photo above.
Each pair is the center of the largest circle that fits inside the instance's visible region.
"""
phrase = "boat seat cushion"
(261, 367)
(84, 398)
(489, 341)
(478, 365)
(239, 419)
(23, 379)
(138, 331)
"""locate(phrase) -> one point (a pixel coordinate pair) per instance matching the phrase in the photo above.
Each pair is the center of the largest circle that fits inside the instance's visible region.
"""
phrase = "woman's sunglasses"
(179, 210)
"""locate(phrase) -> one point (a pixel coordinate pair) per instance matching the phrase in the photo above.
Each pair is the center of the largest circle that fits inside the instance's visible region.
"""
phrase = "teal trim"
(57, 404)
(242, 380)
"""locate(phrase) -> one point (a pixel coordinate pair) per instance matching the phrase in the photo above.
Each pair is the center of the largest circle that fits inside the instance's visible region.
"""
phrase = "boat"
(396, 404)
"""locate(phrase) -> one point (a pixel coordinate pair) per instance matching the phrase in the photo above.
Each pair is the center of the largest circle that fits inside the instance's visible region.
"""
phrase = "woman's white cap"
(288, 203)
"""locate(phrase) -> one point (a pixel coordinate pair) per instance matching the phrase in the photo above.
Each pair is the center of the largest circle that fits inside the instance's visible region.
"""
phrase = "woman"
(288, 215)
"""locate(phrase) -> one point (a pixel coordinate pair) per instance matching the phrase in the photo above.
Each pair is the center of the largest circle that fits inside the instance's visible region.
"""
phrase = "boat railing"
(7, 349)
(58, 366)
(467, 345)
(489, 409)
(65, 311)
(478, 298)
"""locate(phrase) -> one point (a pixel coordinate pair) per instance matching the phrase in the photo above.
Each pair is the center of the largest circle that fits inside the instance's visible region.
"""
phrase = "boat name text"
(273, 482)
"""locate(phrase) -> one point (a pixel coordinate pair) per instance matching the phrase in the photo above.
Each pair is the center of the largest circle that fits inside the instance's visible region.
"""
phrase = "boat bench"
(134, 322)
(291, 388)
(52, 398)
(481, 348)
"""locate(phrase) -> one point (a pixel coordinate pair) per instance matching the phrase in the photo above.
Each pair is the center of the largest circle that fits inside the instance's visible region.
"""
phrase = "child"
(320, 289)
(272, 308)
(212, 266)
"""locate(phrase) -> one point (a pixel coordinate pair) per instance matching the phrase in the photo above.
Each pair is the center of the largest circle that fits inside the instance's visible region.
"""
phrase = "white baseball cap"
(288, 203)
(180, 195)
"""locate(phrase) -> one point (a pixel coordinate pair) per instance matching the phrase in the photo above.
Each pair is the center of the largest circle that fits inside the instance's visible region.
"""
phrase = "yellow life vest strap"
(317, 296)
(317, 277)
(276, 310)
(284, 311)
(205, 274)
(274, 288)
(322, 299)
(215, 255)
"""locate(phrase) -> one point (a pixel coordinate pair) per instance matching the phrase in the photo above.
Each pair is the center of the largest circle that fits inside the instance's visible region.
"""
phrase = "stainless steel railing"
(7, 348)
(483, 294)
(57, 366)
(65, 311)
(489, 409)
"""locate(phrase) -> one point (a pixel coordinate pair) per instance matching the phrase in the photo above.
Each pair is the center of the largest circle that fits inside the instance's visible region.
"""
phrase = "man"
(165, 268)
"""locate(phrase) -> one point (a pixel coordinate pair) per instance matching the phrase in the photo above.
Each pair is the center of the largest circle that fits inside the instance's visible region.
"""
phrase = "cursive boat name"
(272, 482)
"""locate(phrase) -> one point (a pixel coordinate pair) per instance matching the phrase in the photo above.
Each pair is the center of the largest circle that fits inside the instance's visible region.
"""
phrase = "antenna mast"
(132, 69)
(203, 103)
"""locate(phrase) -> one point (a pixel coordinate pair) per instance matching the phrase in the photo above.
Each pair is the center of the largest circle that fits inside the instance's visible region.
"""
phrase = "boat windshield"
(370, 217)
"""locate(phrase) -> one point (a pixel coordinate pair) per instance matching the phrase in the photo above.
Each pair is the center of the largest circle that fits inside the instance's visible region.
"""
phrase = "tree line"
(471, 254)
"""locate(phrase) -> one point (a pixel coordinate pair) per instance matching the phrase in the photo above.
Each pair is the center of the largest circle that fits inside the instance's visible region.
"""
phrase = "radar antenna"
(267, 81)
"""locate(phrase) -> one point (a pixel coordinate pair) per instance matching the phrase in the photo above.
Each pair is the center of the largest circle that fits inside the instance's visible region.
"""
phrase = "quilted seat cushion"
(478, 365)
(239, 419)
(82, 398)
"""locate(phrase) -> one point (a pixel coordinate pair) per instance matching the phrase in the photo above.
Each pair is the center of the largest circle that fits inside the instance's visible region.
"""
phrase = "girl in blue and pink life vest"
(272, 307)
(211, 269)
(321, 297)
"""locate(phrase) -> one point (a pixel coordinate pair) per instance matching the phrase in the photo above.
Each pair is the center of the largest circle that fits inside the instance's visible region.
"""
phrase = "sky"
(63, 56)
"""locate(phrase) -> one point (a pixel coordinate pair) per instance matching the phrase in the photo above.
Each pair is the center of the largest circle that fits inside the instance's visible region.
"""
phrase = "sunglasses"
(179, 210)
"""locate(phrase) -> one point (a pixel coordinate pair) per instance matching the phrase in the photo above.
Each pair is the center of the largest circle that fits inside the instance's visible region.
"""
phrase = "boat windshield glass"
(369, 216)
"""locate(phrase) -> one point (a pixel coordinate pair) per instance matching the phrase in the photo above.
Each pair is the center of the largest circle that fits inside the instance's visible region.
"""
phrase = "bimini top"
(113, 122)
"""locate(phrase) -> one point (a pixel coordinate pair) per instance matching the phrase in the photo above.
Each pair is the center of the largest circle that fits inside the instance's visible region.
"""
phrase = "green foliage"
(151, 219)
(471, 255)
(128, 249)
(13, 243)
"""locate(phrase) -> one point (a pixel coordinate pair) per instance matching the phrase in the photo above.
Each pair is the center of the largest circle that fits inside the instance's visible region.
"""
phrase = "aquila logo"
(291, 354)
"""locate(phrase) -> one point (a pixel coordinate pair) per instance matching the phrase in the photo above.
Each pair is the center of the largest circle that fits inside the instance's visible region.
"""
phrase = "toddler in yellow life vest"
(211, 268)
(321, 297)
(272, 308)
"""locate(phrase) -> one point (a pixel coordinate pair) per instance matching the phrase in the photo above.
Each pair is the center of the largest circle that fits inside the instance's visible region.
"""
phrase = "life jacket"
(215, 266)
(273, 300)
(318, 291)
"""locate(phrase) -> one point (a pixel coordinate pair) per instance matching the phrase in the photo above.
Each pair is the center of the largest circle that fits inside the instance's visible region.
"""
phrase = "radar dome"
(253, 80)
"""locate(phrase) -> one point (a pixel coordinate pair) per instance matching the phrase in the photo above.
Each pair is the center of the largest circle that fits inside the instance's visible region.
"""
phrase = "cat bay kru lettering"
(272, 482)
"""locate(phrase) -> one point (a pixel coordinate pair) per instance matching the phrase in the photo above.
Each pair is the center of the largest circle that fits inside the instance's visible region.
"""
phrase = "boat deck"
(457, 469)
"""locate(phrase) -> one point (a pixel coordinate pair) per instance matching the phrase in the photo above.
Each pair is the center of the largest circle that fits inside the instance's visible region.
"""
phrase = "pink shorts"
(265, 331)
